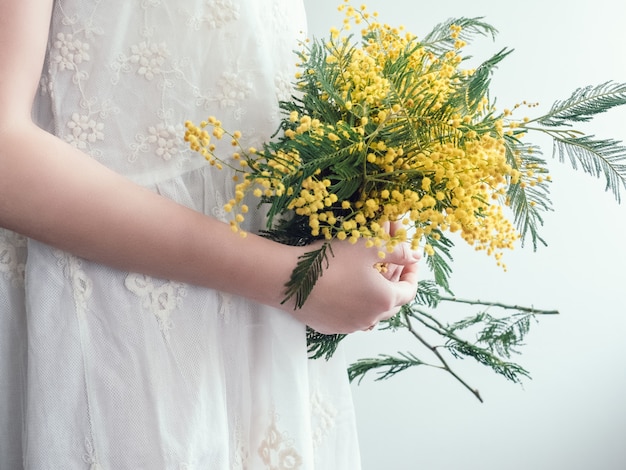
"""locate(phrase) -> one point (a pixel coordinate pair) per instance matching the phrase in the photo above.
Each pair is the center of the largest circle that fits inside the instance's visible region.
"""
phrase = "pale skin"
(54, 193)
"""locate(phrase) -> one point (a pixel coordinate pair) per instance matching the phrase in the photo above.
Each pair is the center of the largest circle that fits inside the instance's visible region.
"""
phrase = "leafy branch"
(496, 338)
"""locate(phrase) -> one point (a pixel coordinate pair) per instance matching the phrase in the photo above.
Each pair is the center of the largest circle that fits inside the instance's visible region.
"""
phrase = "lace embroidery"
(225, 300)
(216, 15)
(185, 466)
(160, 300)
(84, 130)
(226, 306)
(82, 285)
(233, 89)
(148, 59)
(241, 456)
(12, 265)
(152, 62)
(89, 457)
(218, 211)
(284, 90)
(163, 140)
(323, 415)
(68, 51)
(277, 451)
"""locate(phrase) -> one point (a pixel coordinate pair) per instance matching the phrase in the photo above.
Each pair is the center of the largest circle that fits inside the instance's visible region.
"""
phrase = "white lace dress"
(101, 369)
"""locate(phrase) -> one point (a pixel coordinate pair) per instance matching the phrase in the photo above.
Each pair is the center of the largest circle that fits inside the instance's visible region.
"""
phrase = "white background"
(572, 414)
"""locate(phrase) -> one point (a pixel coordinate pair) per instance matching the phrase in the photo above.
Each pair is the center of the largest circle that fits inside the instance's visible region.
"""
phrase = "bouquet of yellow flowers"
(386, 128)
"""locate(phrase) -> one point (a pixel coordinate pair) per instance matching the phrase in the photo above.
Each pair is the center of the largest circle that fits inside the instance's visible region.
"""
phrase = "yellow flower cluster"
(384, 117)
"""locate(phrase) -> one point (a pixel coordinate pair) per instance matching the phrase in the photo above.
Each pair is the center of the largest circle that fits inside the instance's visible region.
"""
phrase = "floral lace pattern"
(217, 14)
(277, 451)
(12, 251)
(159, 299)
(82, 285)
(323, 414)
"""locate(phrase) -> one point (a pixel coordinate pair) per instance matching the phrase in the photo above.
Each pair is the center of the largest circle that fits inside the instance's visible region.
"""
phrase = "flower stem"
(519, 308)
(442, 360)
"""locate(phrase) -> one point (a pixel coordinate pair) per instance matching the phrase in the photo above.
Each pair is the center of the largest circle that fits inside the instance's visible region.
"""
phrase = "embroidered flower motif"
(241, 456)
(84, 130)
(150, 3)
(149, 59)
(167, 139)
(234, 89)
(89, 457)
(219, 13)
(69, 52)
(276, 451)
(218, 210)
(161, 300)
(283, 87)
(225, 306)
(82, 285)
(279, 19)
(11, 264)
(323, 415)
(163, 140)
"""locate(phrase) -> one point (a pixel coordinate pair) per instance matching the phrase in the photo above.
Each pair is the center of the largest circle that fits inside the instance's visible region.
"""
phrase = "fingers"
(403, 255)
(391, 272)
(409, 274)
(403, 282)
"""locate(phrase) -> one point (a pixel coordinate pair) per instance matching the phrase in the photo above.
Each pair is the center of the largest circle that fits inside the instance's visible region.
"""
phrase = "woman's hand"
(352, 294)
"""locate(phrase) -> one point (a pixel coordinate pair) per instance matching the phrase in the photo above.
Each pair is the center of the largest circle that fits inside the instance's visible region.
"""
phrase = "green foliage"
(529, 201)
(478, 84)
(386, 365)
(439, 262)
(438, 39)
(427, 295)
(597, 158)
(308, 270)
(320, 345)
(488, 338)
(585, 103)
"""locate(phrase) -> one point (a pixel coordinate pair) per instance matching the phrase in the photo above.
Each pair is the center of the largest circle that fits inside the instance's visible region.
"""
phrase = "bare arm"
(54, 193)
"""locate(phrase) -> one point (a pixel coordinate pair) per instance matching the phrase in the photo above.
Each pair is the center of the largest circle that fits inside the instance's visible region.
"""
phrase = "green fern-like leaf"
(386, 365)
(439, 261)
(585, 103)
(530, 200)
(321, 345)
(428, 293)
(509, 370)
(439, 40)
(477, 85)
(596, 157)
(308, 270)
(503, 336)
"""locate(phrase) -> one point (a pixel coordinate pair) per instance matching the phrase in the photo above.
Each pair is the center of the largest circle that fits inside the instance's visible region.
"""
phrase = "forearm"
(51, 192)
